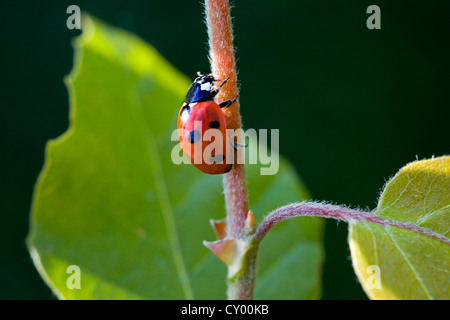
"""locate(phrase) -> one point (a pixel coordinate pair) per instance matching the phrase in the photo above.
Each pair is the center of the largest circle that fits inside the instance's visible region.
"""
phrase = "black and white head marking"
(201, 89)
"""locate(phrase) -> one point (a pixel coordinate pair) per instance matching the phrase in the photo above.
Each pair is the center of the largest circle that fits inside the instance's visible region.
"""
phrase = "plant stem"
(223, 66)
(323, 210)
(241, 282)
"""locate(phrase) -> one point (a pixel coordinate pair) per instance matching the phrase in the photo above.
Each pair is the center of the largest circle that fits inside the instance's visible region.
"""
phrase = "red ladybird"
(202, 129)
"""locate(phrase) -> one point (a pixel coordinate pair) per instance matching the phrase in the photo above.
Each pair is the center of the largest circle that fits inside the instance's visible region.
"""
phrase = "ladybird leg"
(228, 102)
(214, 92)
(236, 145)
(223, 83)
(229, 168)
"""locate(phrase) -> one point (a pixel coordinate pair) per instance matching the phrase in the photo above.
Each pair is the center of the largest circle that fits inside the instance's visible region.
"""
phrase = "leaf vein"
(166, 206)
(414, 271)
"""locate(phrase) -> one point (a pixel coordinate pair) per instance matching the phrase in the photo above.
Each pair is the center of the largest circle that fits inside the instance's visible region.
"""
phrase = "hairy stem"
(223, 66)
(221, 53)
(314, 209)
(242, 282)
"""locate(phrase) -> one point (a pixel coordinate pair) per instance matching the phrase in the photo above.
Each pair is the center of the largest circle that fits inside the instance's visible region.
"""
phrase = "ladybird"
(199, 114)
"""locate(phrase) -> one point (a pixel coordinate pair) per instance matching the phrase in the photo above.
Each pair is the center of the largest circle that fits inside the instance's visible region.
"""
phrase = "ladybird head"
(200, 89)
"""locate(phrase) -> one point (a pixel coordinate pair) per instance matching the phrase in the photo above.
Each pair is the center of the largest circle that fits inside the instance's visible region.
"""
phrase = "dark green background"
(353, 105)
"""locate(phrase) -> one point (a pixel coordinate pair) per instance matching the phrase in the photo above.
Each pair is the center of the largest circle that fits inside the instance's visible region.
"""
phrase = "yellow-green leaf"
(396, 263)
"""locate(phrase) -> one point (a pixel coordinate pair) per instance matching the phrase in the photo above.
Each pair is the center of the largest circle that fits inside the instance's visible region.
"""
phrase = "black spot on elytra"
(214, 124)
(194, 136)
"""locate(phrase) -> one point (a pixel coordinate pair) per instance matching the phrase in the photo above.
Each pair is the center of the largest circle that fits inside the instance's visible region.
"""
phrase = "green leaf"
(110, 200)
(412, 265)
